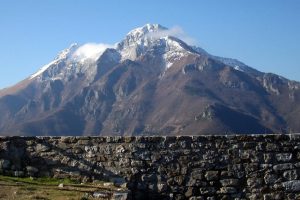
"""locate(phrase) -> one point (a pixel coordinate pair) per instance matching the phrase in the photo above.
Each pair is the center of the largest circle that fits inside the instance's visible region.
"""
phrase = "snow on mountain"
(234, 63)
(71, 61)
(148, 38)
(93, 89)
(63, 55)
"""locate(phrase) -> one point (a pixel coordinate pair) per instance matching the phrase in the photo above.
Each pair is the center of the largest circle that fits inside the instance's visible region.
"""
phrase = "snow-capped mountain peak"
(140, 41)
(164, 88)
(63, 55)
(66, 53)
(144, 31)
(152, 36)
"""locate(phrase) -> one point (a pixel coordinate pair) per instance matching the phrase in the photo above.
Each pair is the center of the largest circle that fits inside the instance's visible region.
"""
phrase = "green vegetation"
(13, 188)
(44, 180)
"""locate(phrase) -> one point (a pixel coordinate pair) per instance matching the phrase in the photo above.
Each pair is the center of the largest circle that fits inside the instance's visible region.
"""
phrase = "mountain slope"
(152, 84)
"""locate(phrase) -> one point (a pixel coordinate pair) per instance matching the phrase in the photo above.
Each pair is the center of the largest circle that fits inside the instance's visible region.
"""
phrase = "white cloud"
(175, 31)
(90, 51)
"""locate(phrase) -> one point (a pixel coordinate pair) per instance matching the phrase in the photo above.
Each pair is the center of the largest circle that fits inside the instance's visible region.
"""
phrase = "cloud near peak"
(91, 51)
(175, 31)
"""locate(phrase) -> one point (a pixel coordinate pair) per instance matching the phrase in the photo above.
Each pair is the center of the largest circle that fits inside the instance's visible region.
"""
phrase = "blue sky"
(264, 34)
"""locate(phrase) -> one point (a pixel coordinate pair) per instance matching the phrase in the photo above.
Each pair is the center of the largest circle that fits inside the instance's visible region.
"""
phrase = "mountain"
(150, 83)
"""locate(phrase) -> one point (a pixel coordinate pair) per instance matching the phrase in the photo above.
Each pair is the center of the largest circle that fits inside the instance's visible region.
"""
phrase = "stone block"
(270, 179)
(211, 175)
(281, 167)
(227, 190)
(229, 182)
(18, 173)
(271, 147)
(268, 157)
(31, 171)
(4, 164)
(291, 175)
(284, 157)
(254, 182)
(207, 190)
(42, 148)
(292, 186)
(197, 198)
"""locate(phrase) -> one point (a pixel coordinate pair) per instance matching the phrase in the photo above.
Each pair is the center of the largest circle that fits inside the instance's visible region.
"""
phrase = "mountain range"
(150, 83)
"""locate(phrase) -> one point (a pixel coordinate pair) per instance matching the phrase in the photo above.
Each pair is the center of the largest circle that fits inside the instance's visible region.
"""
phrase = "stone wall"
(186, 167)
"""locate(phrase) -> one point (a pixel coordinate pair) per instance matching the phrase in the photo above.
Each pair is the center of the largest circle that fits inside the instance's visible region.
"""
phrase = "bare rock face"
(149, 84)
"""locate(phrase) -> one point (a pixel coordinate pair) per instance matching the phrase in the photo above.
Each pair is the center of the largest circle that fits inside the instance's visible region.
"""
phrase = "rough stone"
(254, 182)
(227, 190)
(292, 186)
(162, 187)
(18, 173)
(197, 167)
(42, 148)
(229, 182)
(31, 170)
(212, 175)
(122, 195)
(284, 157)
(4, 164)
(196, 198)
(270, 179)
(273, 196)
(190, 192)
(284, 166)
(207, 190)
(291, 175)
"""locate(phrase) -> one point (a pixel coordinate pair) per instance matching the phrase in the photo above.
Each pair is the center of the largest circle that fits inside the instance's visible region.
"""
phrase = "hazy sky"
(264, 34)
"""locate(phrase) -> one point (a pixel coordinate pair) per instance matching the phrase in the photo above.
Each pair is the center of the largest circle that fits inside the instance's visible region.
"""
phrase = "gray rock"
(291, 175)
(197, 174)
(207, 190)
(144, 155)
(273, 196)
(268, 157)
(297, 164)
(196, 198)
(101, 194)
(18, 173)
(281, 167)
(211, 198)
(31, 170)
(254, 182)
(292, 186)
(107, 150)
(120, 149)
(137, 163)
(212, 175)
(229, 182)
(190, 192)
(77, 150)
(271, 147)
(162, 187)
(42, 148)
(227, 190)
(4, 164)
(75, 173)
(121, 195)
(284, 157)
(148, 177)
(270, 179)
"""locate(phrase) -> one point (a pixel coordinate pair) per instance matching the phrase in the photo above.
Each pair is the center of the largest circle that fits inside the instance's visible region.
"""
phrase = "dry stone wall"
(185, 167)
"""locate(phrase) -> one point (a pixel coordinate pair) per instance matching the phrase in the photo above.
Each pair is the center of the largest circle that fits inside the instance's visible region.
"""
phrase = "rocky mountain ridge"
(150, 83)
